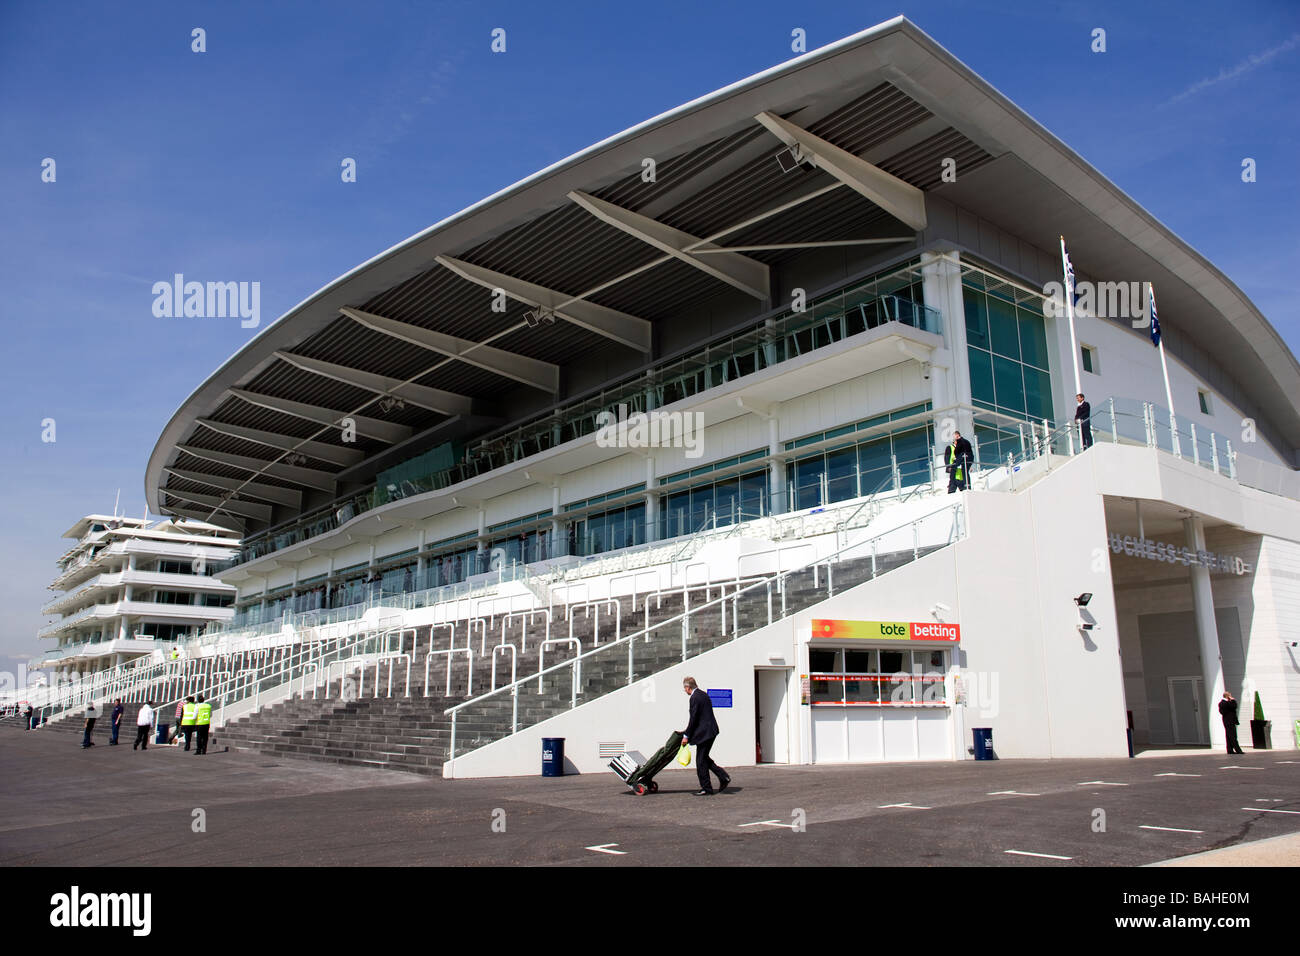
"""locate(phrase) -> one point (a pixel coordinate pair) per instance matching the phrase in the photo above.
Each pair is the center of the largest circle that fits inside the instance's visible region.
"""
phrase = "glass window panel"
(636, 516)
(808, 476)
(1003, 328)
(977, 321)
(898, 688)
(1038, 393)
(912, 448)
(1033, 339)
(928, 666)
(981, 375)
(842, 479)
(873, 459)
(827, 691)
(1008, 385)
(727, 495)
(821, 660)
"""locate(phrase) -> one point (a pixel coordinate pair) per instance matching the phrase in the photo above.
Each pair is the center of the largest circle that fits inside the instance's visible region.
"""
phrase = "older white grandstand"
(131, 588)
(828, 267)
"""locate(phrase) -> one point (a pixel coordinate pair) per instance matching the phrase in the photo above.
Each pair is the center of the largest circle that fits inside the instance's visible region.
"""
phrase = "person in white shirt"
(143, 724)
(91, 714)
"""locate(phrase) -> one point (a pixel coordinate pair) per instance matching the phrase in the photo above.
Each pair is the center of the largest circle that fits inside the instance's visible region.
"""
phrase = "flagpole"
(1164, 368)
(1069, 312)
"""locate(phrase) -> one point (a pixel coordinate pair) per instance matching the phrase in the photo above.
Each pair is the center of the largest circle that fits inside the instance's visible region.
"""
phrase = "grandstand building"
(678, 405)
(131, 588)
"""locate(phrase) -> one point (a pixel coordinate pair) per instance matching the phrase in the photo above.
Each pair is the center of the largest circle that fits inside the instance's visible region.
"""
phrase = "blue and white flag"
(1155, 321)
(1069, 271)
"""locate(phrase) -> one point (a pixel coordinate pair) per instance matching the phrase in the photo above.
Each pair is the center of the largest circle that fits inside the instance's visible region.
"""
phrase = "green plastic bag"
(684, 756)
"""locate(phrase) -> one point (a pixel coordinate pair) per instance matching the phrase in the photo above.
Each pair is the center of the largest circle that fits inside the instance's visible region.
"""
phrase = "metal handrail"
(682, 618)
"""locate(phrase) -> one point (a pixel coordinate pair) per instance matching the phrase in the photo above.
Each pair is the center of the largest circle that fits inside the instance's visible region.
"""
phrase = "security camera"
(1083, 599)
(939, 606)
(1087, 625)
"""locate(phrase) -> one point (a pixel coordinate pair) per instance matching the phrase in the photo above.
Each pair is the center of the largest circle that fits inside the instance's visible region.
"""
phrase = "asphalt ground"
(110, 806)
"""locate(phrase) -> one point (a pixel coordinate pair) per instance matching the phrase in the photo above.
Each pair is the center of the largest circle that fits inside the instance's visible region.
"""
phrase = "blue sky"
(225, 165)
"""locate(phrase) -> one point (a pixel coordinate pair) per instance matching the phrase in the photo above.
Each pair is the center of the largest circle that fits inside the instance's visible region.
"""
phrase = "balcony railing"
(826, 321)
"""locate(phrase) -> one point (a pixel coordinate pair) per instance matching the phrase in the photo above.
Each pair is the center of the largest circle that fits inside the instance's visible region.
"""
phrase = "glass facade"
(1006, 347)
(733, 498)
(858, 468)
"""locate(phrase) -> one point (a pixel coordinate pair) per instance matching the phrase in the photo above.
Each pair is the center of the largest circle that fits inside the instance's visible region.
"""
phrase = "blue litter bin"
(983, 743)
(552, 756)
(161, 738)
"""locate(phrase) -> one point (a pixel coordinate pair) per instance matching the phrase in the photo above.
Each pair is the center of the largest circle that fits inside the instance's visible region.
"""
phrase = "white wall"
(1132, 371)
(1045, 688)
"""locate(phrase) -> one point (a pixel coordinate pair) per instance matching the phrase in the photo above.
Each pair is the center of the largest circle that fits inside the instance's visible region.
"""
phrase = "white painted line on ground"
(1172, 774)
(1170, 829)
(1012, 793)
(1233, 767)
(1269, 810)
(605, 848)
(1268, 799)
(902, 806)
(1286, 761)
(1101, 783)
(1046, 856)
(758, 823)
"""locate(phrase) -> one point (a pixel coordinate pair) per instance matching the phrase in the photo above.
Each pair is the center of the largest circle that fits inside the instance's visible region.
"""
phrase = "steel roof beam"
(343, 457)
(245, 509)
(369, 427)
(229, 522)
(256, 489)
(901, 200)
(521, 368)
(622, 328)
(746, 274)
(309, 477)
(434, 399)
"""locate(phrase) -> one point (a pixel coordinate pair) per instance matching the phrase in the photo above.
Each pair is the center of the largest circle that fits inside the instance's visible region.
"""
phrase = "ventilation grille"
(611, 748)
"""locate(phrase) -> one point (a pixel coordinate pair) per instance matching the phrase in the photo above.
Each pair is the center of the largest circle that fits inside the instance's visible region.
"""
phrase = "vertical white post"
(1207, 632)
(1068, 272)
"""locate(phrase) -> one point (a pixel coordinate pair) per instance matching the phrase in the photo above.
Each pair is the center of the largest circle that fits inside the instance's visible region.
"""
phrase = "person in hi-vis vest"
(187, 720)
(957, 458)
(202, 722)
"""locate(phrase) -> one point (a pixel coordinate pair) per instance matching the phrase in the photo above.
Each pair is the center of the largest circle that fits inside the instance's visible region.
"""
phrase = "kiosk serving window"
(877, 677)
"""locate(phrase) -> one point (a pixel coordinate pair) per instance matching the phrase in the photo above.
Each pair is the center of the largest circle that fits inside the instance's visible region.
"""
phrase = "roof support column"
(1207, 632)
(559, 543)
(949, 387)
(651, 500)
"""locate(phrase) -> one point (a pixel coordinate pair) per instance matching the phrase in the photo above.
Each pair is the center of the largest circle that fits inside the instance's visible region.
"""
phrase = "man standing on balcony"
(1083, 415)
(702, 731)
(957, 458)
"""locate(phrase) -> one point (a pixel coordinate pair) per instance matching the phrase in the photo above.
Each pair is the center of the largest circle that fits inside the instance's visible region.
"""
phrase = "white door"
(1187, 710)
(773, 715)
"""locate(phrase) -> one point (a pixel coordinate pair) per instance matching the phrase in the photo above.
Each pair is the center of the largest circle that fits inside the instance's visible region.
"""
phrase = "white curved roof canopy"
(588, 244)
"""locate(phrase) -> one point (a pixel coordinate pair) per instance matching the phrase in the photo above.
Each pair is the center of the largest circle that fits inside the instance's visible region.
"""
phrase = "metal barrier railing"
(951, 510)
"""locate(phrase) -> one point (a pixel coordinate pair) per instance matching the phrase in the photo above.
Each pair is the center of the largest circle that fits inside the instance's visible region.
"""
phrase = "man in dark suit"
(702, 731)
(957, 458)
(1228, 711)
(1083, 415)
